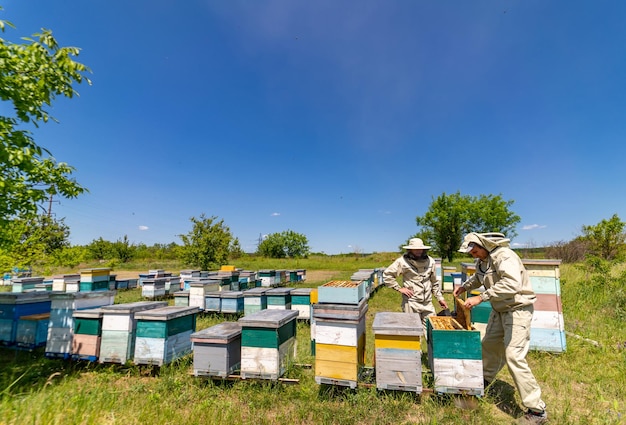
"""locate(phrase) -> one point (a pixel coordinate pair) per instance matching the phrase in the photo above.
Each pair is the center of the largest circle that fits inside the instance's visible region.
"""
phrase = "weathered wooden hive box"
(95, 279)
(397, 351)
(32, 331)
(25, 284)
(154, 287)
(14, 305)
(181, 298)
(279, 298)
(213, 302)
(341, 292)
(164, 334)
(61, 325)
(339, 342)
(198, 291)
(454, 356)
(268, 342)
(267, 277)
(254, 300)
(172, 284)
(281, 277)
(119, 330)
(367, 276)
(87, 334)
(301, 301)
(112, 282)
(547, 330)
(231, 302)
(59, 281)
(217, 350)
(247, 277)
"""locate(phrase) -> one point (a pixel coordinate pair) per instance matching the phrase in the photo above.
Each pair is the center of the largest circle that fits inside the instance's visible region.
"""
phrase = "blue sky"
(340, 120)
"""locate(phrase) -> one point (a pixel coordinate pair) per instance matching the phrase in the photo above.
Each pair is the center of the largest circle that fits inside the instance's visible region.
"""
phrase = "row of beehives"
(99, 279)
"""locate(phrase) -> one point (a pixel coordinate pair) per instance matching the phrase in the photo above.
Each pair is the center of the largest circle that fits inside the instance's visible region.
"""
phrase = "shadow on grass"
(502, 394)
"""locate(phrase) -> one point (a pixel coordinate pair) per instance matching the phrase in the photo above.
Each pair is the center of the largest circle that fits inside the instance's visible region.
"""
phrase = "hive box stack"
(164, 334)
(301, 301)
(119, 330)
(217, 350)
(181, 298)
(59, 282)
(14, 305)
(87, 334)
(279, 298)
(61, 325)
(547, 330)
(397, 351)
(172, 284)
(339, 318)
(231, 302)
(32, 331)
(254, 300)
(267, 277)
(25, 284)
(154, 287)
(247, 279)
(95, 279)
(199, 289)
(268, 342)
(454, 356)
(367, 276)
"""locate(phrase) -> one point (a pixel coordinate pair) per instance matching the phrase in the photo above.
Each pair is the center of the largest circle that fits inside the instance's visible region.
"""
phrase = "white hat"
(416, 243)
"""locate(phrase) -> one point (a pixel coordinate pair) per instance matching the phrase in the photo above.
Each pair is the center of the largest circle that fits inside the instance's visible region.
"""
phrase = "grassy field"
(584, 385)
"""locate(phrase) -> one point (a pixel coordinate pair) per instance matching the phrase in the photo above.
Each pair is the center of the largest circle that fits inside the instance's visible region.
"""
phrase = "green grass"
(584, 385)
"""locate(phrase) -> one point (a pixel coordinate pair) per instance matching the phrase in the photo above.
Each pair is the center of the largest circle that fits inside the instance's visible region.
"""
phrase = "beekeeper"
(507, 337)
(419, 280)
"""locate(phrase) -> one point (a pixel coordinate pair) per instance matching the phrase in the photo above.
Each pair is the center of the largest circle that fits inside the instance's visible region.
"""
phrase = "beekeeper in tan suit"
(507, 337)
(419, 280)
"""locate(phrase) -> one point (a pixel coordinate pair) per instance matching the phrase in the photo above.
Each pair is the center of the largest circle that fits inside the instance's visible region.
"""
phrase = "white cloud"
(534, 226)
(143, 227)
(275, 214)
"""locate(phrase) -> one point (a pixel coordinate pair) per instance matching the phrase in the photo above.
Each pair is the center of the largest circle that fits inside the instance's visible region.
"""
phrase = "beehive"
(231, 302)
(267, 277)
(95, 279)
(254, 300)
(154, 287)
(87, 334)
(164, 334)
(268, 340)
(341, 292)
(198, 291)
(217, 350)
(172, 284)
(455, 356)
(59, 281)
(32, 331)
(279, 298)
(397, 351)
(61, 325)
(181, 298)
(301, 301)
(119, 330)
(14, 305)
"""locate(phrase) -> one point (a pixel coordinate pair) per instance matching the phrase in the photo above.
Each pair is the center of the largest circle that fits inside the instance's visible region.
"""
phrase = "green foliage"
(606, 239)
(287, 244)
(123, 249)
(99, 249)
(207, 245)
(235, 250)
(69, 257)
(32, 75)
(450, 217)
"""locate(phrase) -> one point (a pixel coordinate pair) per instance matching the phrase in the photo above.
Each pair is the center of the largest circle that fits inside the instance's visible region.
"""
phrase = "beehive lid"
(255, 292)
(89, 313)
(231, 294)
(57, 295)
(301, 291)
(278, 291)
(269, 318)
(132, 307)
(224, 331)
(392, 323)
(166, 313)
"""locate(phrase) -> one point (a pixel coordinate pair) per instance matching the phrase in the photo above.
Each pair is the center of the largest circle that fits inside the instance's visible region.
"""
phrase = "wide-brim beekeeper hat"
(416, 243)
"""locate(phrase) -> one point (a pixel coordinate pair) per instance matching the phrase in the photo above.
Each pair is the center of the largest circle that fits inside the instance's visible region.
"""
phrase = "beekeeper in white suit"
(507, 337)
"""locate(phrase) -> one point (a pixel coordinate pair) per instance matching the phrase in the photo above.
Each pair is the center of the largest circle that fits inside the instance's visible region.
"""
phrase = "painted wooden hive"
(181, 298)
(312, 321)
(268, 343)
(97, 279)
(447, 284)
(25, 284)
(281, 277)
(154, 287)
(32, 331)
(14, 305)
(225, 281)
(467, 270)
(112, 282)
(547, 330)
(397, 351)
(164, 334)
(454, 356)
(127, 283)
(279, 298)
(198, 291)
(213, 302)
(87, 334)
(254, 300)
(72, 285)
(339, 342)
(217, 350)
(301, 301)
(59, 281)
(231, 302)
(248, 277)
(45, 286)
(341, 292)
(267, 277)
(367, 276)
(172, 284)
(61, 325)
(119, 330)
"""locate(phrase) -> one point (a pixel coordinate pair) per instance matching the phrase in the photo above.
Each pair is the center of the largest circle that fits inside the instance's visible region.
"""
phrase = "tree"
(123, 249)
(207, 245)
(235, 251)
(606, 238)
(32, 75)
(99, 249)
(450, 217)
(287, 244)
